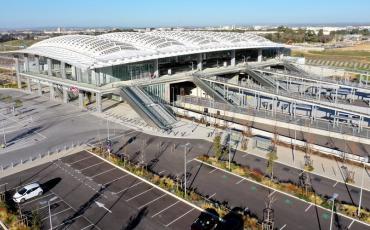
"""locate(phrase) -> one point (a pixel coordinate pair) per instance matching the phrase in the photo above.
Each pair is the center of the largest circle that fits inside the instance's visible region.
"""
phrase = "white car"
(28, 192)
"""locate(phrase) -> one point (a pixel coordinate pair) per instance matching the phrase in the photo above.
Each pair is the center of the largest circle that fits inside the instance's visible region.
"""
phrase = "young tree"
(217, 146)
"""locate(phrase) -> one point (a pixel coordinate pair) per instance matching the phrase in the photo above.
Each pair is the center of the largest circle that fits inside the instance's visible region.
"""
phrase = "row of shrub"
(290, 188)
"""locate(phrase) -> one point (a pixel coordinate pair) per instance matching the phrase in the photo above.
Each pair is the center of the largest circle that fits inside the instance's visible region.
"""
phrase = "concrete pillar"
(17, 71)
(79, 74)
(98, 103)
(26, 64)
(259, 55)
(48, 61)
(39, 89)
(156, 69)
(232, 61)
(52, 93)
(63, 70)
(37, 63)
(65, 95)
(167, 91)
(200, 62)
(73, 68)
(28, 82)
(80, 99)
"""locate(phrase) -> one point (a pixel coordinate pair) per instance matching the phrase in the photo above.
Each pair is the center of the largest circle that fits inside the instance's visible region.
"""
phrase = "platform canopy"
(89, 52)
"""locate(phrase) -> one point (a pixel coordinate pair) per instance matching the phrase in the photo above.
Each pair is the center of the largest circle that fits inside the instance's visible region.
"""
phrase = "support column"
(156, 69)
(39, 89)
(259, 55)
(37, 62)
(78, 74)
(17, 71)
(200, 62)
(81, 99)
(48, 61)
(28, 82)
(65, 95)
(52, 93)
(167, 92)
(26, 64)
(98, 103)
(232, 62)
(63, 70)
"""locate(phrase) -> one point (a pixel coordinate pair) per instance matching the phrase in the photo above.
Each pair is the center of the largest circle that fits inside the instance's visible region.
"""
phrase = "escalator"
(294, 69)
(212, 92)
(153, 113)
(264, 80)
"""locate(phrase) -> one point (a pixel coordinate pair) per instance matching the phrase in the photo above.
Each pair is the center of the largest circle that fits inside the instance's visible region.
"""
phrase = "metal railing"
(327, 125)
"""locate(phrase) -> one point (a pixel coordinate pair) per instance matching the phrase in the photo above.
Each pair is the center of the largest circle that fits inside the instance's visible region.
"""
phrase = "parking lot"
(89, 193)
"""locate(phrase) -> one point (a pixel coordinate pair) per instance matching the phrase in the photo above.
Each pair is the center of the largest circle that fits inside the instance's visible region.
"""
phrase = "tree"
(217, 147)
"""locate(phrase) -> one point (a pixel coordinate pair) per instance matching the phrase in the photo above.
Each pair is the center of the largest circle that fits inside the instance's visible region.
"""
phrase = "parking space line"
(272, 193)
(179, 217)
(56, 227)
(152, 201)
(46, 206)
(350, 225)
(102, 172)
(139, 194)
(239, 181)
(118, 178)
(335, 184)
(283, 227)
(91, 166)
(161, 172)
(245, 155)
(85, 158)
(308, 207)
(140, 182)
(55, 214)
(87, 226)
(212, 171)
(165, 208)
(214, 194)
(38, 198)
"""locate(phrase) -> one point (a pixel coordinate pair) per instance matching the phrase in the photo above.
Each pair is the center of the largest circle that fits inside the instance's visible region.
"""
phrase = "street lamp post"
(185, 151)
(362, 185)
(335, 196)
(49, 201)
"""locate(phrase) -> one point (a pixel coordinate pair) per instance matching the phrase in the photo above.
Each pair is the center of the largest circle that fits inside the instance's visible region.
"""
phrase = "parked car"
(207, 220)
(28, 192)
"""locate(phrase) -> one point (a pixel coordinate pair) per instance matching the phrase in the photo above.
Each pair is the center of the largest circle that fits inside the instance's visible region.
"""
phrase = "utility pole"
(185, 151)
(362, 186)
(335, 196)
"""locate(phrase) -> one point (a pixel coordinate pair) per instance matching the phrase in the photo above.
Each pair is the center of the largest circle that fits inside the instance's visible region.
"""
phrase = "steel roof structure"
(89, 52)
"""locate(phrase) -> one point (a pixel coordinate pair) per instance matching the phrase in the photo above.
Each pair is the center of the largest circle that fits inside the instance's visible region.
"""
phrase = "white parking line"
(272, 193)
(308, 207)
(91, 166)
(214, 194)
(139, 194)
(213, 170)
(74, 162)
(335, 184)
(165, 209)
(152, 201)
(350, 225)
(179, 217)
(119, 178)
(36, 199)
(55, 214)
(140, 182)
(245, 155)
(283, 227)
(239, 181)
(102, 172)
(161, 172)
(46, 206)
(90, 225)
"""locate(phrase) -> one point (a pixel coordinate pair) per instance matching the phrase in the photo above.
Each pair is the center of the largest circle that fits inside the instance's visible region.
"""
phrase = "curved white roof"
(87, 51)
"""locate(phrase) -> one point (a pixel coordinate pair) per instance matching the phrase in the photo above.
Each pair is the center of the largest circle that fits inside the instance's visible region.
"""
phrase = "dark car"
(207, 220)
(231, 221)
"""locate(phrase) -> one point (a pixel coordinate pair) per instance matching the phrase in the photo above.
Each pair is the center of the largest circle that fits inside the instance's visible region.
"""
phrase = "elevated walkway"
(154, 114)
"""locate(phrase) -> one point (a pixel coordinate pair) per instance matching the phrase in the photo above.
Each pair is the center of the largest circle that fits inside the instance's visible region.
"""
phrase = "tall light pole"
(49, 201)
(335, 196)
(229, 150)
(4, 134)
(185, 151)
(362, 185)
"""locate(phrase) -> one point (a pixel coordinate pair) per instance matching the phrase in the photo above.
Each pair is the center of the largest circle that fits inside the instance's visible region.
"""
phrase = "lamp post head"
(335, 196)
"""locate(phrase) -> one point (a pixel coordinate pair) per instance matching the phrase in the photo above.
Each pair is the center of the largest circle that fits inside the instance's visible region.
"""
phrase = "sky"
(161, 13)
